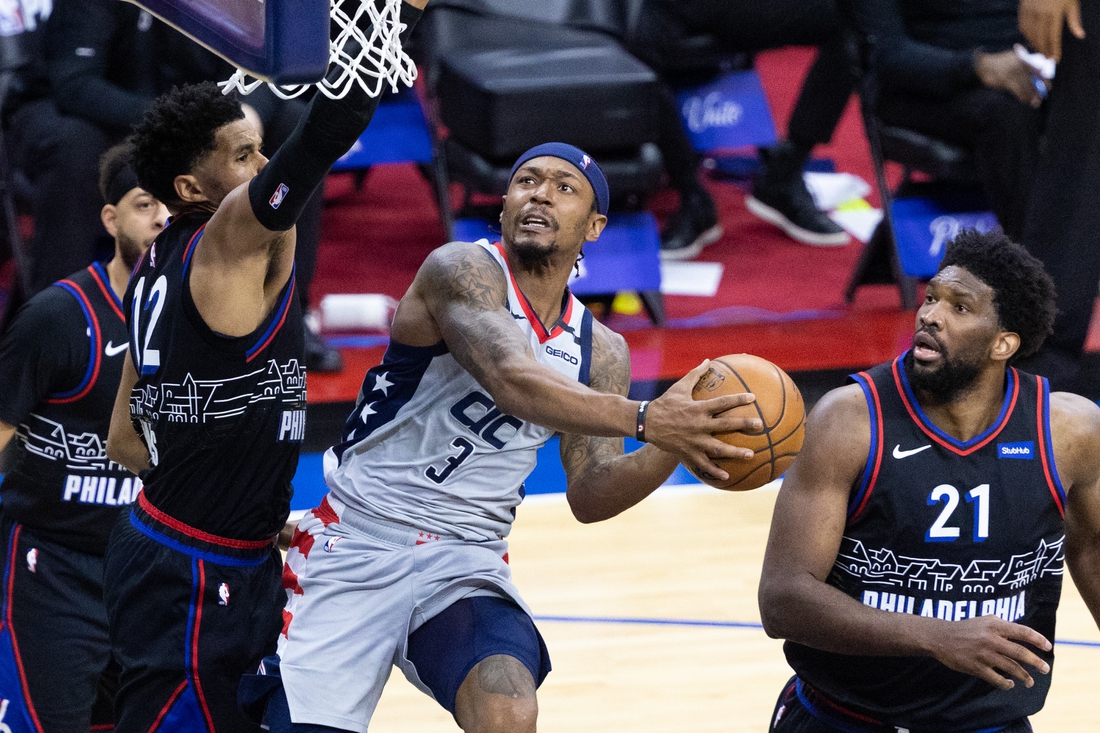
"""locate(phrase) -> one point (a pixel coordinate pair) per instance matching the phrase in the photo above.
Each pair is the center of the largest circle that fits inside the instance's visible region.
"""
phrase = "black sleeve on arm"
(32, 367)
(326, 131)
(905, 63)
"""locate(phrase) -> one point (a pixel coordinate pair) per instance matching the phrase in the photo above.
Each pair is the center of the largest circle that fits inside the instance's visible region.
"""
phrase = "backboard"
(280, 41)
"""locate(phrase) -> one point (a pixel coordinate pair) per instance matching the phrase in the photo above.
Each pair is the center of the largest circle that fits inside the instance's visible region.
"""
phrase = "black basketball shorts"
(55, 665)
(189, 614)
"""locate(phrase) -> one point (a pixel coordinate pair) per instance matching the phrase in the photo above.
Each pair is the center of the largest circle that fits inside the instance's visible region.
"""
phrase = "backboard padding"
(281, 41)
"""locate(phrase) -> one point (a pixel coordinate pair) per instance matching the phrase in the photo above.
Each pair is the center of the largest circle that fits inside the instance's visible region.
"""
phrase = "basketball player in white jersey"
(405, 561)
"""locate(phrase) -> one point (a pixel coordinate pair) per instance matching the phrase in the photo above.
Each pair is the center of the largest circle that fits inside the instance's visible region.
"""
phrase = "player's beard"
(130, 250)
(954, 376)
(533, 255)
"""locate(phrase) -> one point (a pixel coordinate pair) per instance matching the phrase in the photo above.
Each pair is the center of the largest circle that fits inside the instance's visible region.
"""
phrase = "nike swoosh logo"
(899, 453)
(112, 350)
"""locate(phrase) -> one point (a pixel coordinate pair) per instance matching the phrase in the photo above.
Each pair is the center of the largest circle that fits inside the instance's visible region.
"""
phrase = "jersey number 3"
(465, 449)
(949, 496)
(148, 357)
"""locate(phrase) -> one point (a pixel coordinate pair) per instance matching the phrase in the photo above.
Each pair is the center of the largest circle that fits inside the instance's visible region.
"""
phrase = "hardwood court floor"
(686, 555)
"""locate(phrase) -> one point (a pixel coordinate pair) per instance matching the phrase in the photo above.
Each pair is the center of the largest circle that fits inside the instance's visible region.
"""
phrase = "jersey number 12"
(148, 358)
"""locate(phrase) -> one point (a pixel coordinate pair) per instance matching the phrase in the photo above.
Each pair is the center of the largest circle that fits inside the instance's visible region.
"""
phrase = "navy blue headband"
(577, 157)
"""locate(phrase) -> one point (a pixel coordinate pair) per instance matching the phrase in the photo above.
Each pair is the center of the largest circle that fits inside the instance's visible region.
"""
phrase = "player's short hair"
(1023, 292)
(177, 132)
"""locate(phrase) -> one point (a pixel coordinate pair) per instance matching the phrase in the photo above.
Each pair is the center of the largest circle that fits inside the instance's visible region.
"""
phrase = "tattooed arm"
(459, 296)
(602, 480)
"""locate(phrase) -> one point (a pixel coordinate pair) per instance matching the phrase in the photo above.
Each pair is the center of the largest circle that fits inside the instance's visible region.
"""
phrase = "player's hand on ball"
(684, 426)
(992, 649)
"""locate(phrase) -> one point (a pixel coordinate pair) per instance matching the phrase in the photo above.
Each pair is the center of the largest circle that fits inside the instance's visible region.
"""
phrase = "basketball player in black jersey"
(60, 364)
(214, 386)
(916, 550)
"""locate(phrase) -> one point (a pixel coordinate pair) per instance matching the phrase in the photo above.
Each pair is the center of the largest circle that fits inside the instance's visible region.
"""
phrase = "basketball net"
(366, 61)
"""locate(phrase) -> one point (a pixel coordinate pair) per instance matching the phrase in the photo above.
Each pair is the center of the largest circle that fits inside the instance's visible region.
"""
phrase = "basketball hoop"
(366, 61)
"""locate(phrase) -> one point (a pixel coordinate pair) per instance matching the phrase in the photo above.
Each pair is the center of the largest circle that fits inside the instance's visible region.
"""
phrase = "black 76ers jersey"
(223, 417)
(60, 365)
(949, 529)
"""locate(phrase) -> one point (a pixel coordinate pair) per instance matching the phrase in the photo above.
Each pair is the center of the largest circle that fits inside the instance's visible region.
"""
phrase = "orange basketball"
(778, 405)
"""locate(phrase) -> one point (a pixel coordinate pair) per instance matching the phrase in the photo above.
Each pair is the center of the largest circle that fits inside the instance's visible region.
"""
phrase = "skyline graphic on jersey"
(200, 401)
(81, 452)
(881, 568)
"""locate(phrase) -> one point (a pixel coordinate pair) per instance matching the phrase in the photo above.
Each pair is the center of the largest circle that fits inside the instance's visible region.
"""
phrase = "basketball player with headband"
(211, 406)
(916, 553)
(405, 562)
(60, 363)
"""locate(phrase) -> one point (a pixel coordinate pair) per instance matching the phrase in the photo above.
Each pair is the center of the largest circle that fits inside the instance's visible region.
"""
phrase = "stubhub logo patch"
(1024, 450)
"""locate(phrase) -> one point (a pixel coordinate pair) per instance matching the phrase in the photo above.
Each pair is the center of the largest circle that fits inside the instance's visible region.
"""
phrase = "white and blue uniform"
(423, 491)
(426, 446)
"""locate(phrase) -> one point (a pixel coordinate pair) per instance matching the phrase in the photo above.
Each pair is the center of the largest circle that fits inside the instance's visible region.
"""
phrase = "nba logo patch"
(280, 194)
(585, 160)
(223, 594)
(330, 543)
(32, 560)
(153, 255)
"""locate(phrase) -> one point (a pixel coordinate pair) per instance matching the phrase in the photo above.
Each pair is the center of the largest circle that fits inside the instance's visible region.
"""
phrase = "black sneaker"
(690, 228)
(779, 197)
(321, 357)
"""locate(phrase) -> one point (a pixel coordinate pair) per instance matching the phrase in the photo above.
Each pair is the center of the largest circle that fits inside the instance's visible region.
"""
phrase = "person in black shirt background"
(949, 70)
(779, 193)
(60, 364)
(1063, 222)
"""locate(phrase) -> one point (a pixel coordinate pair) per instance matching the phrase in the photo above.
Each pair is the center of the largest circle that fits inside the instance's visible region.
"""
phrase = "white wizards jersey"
(426, 446)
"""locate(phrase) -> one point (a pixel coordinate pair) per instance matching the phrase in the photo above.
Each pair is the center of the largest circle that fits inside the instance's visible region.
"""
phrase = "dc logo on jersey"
(1024, 451)
(223, 594)
(280, 194)
(330, 543)
(32, 560)
(585, 160)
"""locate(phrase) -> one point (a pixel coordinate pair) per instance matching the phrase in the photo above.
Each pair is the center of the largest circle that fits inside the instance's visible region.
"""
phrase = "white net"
(366, 61)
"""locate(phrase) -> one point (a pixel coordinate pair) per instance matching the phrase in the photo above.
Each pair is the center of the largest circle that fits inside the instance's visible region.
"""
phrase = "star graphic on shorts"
(381, 383)
(367, 411)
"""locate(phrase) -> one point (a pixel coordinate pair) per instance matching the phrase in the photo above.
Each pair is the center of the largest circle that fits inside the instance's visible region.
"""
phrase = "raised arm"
(124, 447)
(809, 521)
(602, 481)
(246, 253)
(1075, 432)
(459, 297)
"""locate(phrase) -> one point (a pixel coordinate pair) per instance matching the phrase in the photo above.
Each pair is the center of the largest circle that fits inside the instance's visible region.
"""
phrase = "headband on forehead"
(122, 182)
(578, 158)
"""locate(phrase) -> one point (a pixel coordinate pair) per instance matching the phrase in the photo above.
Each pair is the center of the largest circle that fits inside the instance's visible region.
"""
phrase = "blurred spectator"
(779, 193)
(1063, 223)
(949, 70)
(104, 63)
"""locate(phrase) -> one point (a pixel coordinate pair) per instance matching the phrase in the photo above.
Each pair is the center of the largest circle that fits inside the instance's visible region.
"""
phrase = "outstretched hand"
(679, 424)
(992, 649)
